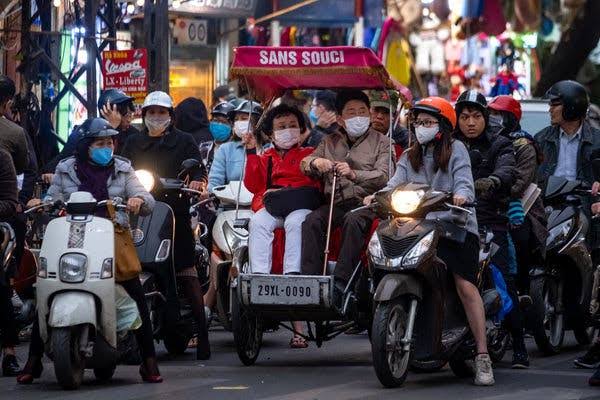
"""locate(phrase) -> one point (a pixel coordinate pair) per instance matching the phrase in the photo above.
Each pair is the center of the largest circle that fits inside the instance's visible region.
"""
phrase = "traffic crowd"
(475, 149)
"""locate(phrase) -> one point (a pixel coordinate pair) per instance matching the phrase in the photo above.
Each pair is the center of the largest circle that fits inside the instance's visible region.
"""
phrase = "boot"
(193, 292)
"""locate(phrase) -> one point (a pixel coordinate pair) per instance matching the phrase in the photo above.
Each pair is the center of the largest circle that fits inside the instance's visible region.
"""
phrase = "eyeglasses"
(427, 123)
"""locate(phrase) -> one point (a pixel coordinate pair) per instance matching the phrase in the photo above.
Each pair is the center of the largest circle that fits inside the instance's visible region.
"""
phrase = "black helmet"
(95, 128)
(222, 109)
(113, 96)
(471, 98)
(247, 107)
(573, 96)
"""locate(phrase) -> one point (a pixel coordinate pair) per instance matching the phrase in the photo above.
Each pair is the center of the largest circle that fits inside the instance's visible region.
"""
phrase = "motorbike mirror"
(187, 167)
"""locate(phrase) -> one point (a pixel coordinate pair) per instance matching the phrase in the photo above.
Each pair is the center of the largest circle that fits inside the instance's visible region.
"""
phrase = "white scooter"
(234, 202)
(76, 292)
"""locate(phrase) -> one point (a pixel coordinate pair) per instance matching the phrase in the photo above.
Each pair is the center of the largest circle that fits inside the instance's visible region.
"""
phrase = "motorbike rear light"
(107, 269)
(43, 269)
(73, 267)
(163, 251)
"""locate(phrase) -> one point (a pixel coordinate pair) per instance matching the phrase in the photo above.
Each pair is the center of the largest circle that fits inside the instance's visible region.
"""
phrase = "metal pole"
(157, 40)
(329, 221)
(91, 9)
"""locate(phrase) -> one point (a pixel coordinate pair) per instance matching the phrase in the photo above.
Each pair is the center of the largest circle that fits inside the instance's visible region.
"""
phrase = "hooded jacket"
(191, 117)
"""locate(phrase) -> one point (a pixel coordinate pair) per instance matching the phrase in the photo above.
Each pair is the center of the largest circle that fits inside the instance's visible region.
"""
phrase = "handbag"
(283, 201)
(127, 262)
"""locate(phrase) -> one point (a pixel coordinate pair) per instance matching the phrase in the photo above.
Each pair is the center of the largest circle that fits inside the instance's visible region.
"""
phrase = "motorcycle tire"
(461, 368)
(427, 366)
(389, 325)
(498, 350)
(104, 374)
(585, 335)
(247, 332)
(548, 344)
(68, 361)
(176, 343)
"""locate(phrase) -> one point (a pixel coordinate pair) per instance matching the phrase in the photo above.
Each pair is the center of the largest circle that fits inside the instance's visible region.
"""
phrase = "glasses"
(427, 123)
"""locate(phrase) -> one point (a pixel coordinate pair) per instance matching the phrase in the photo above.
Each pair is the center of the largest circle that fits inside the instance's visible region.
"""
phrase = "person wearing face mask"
(323, 117)
(229, 157)
(443, 163)
(95, 169)
(221, 128)
(359, 155)
(161, 148)
(277, 182)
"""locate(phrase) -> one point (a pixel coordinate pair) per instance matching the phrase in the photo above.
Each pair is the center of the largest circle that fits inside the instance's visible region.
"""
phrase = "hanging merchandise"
(528, 15)
(472, 9)
(292, 33)
(429, 45)
(375, 41)
(405, 12)
(386, 28)
(397, 60)
(506, 83)
(441, 9)
(284, 40)
(493, 21)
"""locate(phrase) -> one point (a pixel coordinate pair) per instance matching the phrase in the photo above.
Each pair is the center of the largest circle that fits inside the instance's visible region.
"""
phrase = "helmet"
(222, 109)
(158, 98)
(508, 104)
(438, 107)
(247, 107)
(112, 96)
(573, 97)
(471, 98)
(96, 128)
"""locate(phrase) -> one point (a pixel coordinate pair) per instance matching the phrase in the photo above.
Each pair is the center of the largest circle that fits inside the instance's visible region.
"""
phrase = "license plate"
(292, 291)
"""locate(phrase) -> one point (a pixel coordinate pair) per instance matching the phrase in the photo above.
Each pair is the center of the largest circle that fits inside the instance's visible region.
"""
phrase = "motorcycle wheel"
(497, 350)
(389, 359)
(176, 343)
(461, 368)
(427, 366)
(247, 332)
(547, 326)
(585, 335)
(68, 362)
(104, 374)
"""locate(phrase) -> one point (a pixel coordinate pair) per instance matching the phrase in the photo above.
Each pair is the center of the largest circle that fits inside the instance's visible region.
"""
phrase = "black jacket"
(30, 174)
(492, 155)
(548, 140)
(191, 117)
(8, 187)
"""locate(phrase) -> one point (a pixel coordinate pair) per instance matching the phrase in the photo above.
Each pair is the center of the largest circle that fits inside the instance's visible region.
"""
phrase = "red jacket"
(285, 172)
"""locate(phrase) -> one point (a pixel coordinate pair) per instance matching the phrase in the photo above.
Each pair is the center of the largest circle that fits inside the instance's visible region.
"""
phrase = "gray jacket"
(458, 180)
(122, 183)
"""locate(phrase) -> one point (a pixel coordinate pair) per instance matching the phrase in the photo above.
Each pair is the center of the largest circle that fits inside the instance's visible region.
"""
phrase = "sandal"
(298, 342)
(193, 343)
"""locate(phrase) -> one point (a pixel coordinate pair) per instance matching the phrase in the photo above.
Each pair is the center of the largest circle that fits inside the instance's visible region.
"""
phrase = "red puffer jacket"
(285, 172)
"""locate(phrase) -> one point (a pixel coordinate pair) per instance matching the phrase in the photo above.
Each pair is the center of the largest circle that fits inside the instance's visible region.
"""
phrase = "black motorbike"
(418, 314)
(153, 236)
(561, 290)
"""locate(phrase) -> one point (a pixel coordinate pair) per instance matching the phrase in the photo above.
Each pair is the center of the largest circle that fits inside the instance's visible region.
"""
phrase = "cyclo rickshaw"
(261, 302)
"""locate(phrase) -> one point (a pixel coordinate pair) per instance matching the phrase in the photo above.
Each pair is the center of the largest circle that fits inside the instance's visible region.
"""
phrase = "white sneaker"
(484, 375)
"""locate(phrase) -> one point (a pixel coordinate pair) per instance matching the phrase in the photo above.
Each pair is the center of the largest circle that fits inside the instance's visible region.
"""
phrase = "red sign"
(126, 70)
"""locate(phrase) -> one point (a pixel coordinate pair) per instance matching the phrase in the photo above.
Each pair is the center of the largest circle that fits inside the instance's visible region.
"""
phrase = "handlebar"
(55, 204)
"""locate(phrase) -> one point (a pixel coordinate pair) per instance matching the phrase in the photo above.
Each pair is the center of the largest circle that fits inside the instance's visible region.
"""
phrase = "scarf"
(94, 179)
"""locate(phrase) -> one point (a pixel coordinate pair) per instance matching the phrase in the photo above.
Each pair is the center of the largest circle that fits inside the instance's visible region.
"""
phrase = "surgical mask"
(496, 121)
(241, 127)
(219, 131)
(159, 124)
(101, 155)
(313, 116)
(426, 135)
(286, 138)
(357, 126)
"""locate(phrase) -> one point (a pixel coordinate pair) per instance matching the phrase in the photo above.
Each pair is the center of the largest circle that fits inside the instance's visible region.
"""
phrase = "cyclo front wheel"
(247, 331)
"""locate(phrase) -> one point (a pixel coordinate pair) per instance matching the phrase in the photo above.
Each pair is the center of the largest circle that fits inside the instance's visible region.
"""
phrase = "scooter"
(418, 314)
(75, 292)
(153, 237)
(561, 290)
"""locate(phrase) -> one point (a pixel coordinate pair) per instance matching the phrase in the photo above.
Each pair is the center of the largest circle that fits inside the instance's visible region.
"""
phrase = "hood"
(191, 117)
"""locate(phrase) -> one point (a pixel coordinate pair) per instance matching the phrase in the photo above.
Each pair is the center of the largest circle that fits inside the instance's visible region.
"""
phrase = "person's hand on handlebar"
(595, 188)
(596, 208)
(368, 200)
(47, 178)
(323, 165)
(33, 203)
(134, 204)
(458, 200)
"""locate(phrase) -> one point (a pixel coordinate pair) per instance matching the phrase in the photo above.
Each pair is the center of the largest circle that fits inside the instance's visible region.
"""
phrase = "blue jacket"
(227, 164)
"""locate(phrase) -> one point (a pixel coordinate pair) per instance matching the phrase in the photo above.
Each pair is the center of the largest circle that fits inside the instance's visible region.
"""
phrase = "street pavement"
(341, 369)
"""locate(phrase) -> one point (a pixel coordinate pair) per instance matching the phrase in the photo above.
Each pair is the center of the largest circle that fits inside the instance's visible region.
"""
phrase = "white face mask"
(426, 135)
(241, 127)
(357, 126)
(157, 124)
(286, 138)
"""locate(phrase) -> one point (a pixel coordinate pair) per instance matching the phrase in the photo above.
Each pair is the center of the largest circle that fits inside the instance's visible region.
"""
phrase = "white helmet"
(158, 98)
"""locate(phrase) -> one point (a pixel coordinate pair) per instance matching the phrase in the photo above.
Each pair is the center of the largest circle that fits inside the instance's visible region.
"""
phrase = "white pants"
(260, 243)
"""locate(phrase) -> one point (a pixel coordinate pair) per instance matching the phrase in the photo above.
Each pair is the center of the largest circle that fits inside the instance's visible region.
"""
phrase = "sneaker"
(520, 360)
(591, 359)
(595, 379)
(484, 375)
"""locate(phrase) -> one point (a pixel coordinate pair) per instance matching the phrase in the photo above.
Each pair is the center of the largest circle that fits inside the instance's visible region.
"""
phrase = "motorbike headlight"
(418, 250)
(559, 233)
(233, 239)
(146, 179)
(72, 267)
(377, 256)
(406, 201)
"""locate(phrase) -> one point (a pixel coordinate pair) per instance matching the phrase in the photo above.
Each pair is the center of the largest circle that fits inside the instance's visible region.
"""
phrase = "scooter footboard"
(284, 296)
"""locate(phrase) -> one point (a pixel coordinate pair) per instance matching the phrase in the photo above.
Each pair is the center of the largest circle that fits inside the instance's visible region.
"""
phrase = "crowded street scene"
(299, 199)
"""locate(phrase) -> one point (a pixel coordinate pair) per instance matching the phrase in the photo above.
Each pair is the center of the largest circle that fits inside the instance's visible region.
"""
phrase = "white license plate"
(292, 291)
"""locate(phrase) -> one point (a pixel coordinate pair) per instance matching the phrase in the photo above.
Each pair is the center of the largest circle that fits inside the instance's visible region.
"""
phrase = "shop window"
(191, 79)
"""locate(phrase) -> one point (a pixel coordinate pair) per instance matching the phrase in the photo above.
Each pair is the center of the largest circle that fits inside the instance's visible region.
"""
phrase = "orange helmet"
(438, 107)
